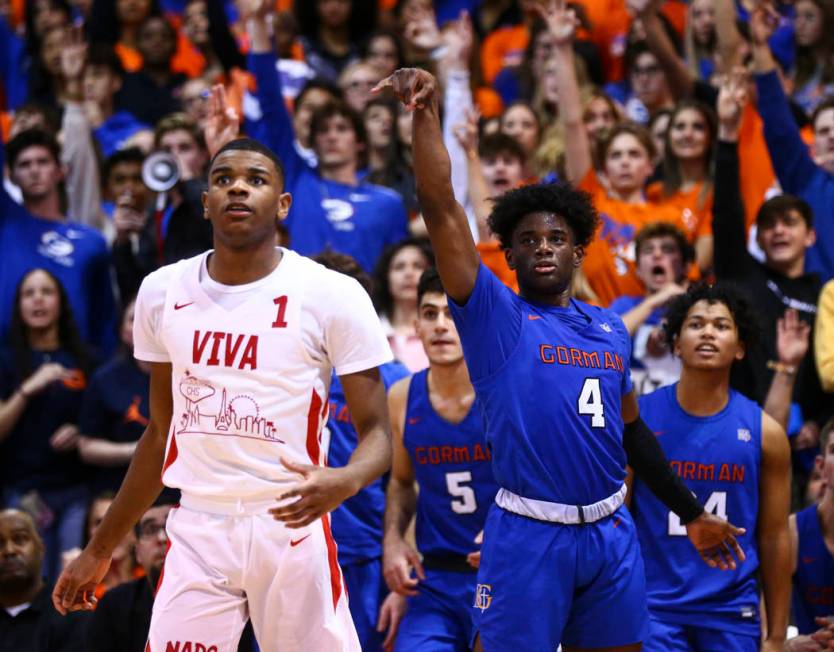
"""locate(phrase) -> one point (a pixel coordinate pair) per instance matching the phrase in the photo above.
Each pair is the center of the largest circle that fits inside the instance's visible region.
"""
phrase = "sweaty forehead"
(707, 310)
(243, 159)
(542, 221)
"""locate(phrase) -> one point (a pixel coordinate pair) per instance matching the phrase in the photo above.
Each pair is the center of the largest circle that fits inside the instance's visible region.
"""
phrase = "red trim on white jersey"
(314, 428)
(333, 561)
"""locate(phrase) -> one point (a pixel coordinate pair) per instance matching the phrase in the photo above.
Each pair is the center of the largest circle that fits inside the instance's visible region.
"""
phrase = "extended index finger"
(388, 82)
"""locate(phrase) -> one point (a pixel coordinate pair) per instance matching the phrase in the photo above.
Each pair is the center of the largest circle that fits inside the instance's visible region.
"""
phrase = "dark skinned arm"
(141, 486)
(322, 489)
(454, 249)
(773, 533)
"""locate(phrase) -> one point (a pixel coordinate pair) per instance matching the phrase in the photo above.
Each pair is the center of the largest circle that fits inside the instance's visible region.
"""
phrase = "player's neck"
(450, 381)
(23, 596)
(703, 393)
(230, 267)
(343, 173)
(560, 298)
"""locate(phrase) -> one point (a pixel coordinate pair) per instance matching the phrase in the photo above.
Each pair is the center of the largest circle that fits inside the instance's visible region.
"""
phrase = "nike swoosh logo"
(180, 306)
(413, 420)
(293, 544)
(808, 560)
(658, 433)
(534, 317)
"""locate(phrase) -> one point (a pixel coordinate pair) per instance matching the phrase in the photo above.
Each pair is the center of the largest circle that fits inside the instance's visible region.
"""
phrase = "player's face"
(627, 164)
(404, 274)
(502, 172)
(689, 135)
(181, 144)
(598, 118)
(437, 331)
(244, 198)
(544, 255)
(40, 302)
(152, 540)
(21, 552)
(125, 181)
(825, 468)
(335, 143)
(824, 140)
(784, 238)
(304, 110)
(709, 338)
(659, 262)
(37, 173)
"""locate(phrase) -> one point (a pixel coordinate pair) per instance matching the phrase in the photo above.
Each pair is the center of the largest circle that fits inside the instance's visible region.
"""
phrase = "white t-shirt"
(251, 369)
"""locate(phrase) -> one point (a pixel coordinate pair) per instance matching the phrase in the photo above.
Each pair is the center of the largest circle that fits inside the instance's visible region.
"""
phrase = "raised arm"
(680, 77)
(726, 34)
(401, 503)
(562, 23)
(792, 336)
(772, 531)
(454, 248)
(141, 486)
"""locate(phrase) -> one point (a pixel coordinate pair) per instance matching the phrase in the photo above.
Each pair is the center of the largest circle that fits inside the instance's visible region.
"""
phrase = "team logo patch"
(483, 596)
(606, 327)
(744, 434)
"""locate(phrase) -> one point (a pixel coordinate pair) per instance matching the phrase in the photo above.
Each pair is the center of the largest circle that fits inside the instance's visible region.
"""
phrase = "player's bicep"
(365, 396)
(775, 480)
(454, 250)
(630, 408)
(401, 468)
(161, 401)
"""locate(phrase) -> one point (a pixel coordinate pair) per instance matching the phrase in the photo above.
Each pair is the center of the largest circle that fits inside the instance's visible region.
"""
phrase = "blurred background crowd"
(703, 130)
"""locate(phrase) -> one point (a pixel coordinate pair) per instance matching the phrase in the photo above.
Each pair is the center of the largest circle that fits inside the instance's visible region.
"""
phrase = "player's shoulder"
(324, 283)
(608, 320)
(161, 278)
(659, 397)
(398, 393)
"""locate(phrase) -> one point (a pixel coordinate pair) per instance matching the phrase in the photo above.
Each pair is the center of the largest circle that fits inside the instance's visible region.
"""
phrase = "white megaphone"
(160, 171)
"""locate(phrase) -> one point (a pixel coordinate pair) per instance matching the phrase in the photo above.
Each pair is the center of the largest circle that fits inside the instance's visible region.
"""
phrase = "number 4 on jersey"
(590, 402)
(716, 504)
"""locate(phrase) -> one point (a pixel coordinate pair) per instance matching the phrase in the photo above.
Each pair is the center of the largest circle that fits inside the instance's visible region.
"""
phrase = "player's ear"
(578, 256)
(508, 256)
(284, 203)
(204, 200)
(740, 350)
(676, 346)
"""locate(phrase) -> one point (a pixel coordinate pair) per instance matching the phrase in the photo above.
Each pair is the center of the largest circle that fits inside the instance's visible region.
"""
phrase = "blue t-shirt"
(549, 383)
(361, 220)
(813, 581)
(27, 460)
(648, 372)
(116, 408)
(452, 467)
(76, 254)
(718, 458)
(357, 522)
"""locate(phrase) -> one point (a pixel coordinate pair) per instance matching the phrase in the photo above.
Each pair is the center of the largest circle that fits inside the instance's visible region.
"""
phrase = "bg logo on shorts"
(483, 598)
(188, 646)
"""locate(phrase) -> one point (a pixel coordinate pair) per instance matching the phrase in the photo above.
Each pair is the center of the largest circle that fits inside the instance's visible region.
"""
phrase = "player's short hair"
(127, 155)
(178, 122)
(35, 137)
(493, 145)
(337, 108)
(826, 105)
(346, 265)
(643, 136)
(737, 303)
(663, 230)
(429, 283)
(572, 205)
(782, 204)
(250, 145)
(825, 435)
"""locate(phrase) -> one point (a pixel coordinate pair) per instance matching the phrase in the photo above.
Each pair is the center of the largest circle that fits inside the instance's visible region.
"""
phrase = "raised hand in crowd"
(466, 133)
(128, 219)
(44, 376)
(561, 20)
(642, 8)
(73, 60)
(458, 38)
(792, 335)
(222, 121)
(253, 8)
(421, 30)
(732, 97)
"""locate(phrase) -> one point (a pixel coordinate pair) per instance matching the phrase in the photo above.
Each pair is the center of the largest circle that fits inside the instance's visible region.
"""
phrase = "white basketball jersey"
(251, 371)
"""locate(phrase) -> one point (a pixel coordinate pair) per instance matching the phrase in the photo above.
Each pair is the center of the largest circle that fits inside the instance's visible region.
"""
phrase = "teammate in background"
(552, 382)
(438, 441)
(736, 459)
(243, 341)
(357, 523)
(812, 558)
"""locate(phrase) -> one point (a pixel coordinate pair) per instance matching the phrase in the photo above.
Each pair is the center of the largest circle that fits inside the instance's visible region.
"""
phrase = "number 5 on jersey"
(463, 497)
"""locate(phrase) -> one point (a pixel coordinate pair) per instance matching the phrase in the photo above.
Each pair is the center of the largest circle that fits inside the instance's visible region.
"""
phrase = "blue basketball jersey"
(452, 467)
(549, 383)
(813, 581)
(356, 523)
(718, 458)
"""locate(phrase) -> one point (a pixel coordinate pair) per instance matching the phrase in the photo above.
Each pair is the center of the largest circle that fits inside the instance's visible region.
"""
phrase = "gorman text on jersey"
(551, 354)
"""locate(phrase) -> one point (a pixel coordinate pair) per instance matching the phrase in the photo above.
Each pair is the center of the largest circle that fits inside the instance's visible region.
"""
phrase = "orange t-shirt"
(503, 47)
(696, 213)
(609, 258)
(492, 256)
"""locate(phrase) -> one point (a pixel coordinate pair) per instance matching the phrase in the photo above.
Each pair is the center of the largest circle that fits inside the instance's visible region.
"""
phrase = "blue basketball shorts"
(541, 584)
(672, 637)
(439, 618)
(366, 590)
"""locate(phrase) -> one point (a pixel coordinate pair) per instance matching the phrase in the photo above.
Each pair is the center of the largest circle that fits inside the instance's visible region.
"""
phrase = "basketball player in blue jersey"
(812, 557)
(736, 459)
(560, 561)
(439, 442)
(357, 522)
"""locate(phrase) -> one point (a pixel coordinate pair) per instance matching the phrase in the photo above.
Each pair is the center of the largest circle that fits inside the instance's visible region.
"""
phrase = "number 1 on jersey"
(590, 402)
(281, 302)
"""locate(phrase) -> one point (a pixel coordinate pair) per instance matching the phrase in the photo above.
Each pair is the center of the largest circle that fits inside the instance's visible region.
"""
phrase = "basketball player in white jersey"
(242, 341)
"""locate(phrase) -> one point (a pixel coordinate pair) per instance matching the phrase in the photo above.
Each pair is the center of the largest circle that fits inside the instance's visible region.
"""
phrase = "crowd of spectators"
(703, 131)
